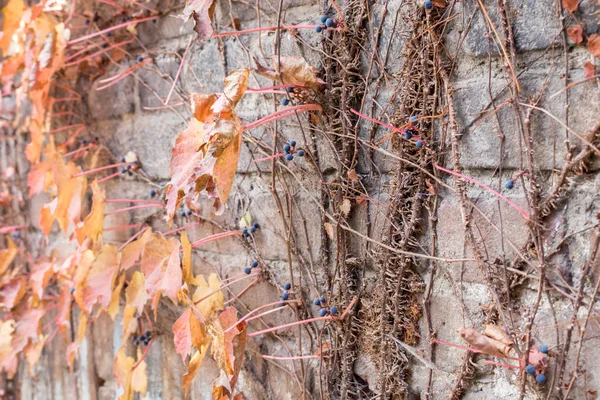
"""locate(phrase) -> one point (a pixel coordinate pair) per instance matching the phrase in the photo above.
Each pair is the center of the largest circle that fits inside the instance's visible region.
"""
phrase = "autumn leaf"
(483, 343)
(186, 261)
(8, 358)
(12, 13)
(129, 378)
(12, 291)
(7, 255)
(161, 266)
(330, 230)
(27, 327)
(202, 12)
(135, 297)
(64, 310)
(113, 307)
(570, 5)
(228, 347)
(290, 71)
(589, 69)
(188, 332)
(345, 207)
(133, 251)
(594, 45)
(210, 305)
(194, 364)
(38, 177)
(98, 284)
(575, 33)
(496, 333)
(92, 226)
(205, 155)
(40, 275)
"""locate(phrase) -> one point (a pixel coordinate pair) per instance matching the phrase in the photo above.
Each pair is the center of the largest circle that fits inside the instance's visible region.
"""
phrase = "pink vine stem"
(292, 357)
(133, 201)
(131, 239)
(179, 70)
(180, 229)
(143, 355)
(286, 112)
(269, 157)
(102, 51)
(120, 210)
(116, 228)
(79, 150)
(245, 317)
(106, 178)
(216, 237)
(392, 127)
(117, 78)
(223, 287)
(110, 29)
(12, 228)
(269, 28)
(93, 171)
(486, 187)
(65, 128)
(304, 321)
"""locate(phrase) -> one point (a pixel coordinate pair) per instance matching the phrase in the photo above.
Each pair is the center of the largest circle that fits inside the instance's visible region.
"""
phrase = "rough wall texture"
(393, 206)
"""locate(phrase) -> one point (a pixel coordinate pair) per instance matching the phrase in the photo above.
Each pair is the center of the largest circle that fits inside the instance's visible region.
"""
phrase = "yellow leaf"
(93, 223)
(7, 255)
(113, 307)
(135, 297)
(12, 13)
(186, 262)
(209, 306)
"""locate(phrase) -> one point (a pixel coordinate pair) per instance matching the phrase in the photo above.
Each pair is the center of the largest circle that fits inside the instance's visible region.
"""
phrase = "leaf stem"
(216, 237)
(246, 317)
(283, 113)
(304, 321)
(120, 210)
(110, 29)
(93, 171)
(223, 287)
(269, 28)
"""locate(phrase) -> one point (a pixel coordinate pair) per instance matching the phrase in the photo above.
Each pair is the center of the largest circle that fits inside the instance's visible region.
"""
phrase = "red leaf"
(161, 265)
(570, 5)
(189, 331)
(575, 33)
(594, 45)
(589, 69)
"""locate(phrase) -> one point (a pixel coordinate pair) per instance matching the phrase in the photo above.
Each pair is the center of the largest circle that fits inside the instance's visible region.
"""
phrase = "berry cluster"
(327, 23)
(184, 213)
(143, 339)
(253, 264)
(290, 150)
(286, 294)
(532, 370)
(130, 167)
(324, 310)
(299, 94)
(247, 231)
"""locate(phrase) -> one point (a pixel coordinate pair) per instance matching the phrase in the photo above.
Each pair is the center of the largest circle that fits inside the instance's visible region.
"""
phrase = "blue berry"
(148, 334)
(318, 29)
(285, 296)
(284, 101)
(252, 229)
(282, 304)
(333, 310)
(530, 369)
(72, 290)
(509, 184)
(86, 22)
(108, 34)
(323, 19)
(15, 235)
(140, 58)
(419, 144)
(287, 286)
(128, 166)
(413, 118)
(300, 153)
(323, 312)
(105, 45)
(289, 157)
(256, 225)
(540, 378)
(247, 270)
(189, 212)
(323, 300)
(317, 302)
(245, 232)
(289, 90)
(147, 12)
(123, 19)
(136, 341)
(293, 143)
(254, 264)
(428, 4)
(407, 135)
(122, 159)
(136, 162)
(287, 148)
(329, 23)
(152, 192)
(544, 348)
(130, 173)
(123, 170)
(182, 213)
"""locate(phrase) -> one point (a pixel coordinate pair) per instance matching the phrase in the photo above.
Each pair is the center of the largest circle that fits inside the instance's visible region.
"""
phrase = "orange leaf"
(7, 255)
(12, 13)
(122, 371)
(575, 33)
(27, 328)
(205, 155)
(189, 331)
(40, 275)
(64, 310)
(228, 348)
(8, 356)
(290, 71)
(345, 207)
(186, 262)
(483, 343)
(589, 69)
(194, 365)
(135, 297)
(133, 251)
(37, 177)
(594, 45)
(113, 307)
(93, 223)
(161, 266)
(570, 5)
(98, 284)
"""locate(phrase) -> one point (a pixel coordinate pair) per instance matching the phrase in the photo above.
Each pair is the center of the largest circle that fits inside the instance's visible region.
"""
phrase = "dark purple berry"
(293, 143)
(544, 348)
(407, 135)
(152, 192)
(323, 300)
(140, 58)
(287, 148)
(419, 144)
(252, 229)
(254, 264)
(428, 4)
(189, 212)
(287, 286)
(122, 159)
(540, 378)
(323, 19)
(329, 23)
(318, 29)
(247, 270)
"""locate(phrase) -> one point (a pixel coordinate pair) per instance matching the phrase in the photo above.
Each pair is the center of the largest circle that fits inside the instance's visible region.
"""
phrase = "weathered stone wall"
(122, 122)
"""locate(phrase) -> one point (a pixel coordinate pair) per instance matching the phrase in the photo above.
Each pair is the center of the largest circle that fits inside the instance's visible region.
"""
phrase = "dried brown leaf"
(594, 45)
(575, 33)
(570, 5)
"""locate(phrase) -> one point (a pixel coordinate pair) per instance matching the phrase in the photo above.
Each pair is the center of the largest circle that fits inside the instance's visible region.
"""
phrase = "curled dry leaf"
(202, 12)
(186, 261)
(496, 333)
(575, 33)
(345, 207)
(329, 229)
(205, 155)
(484, 344)
(290, 71)
(594, 45)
